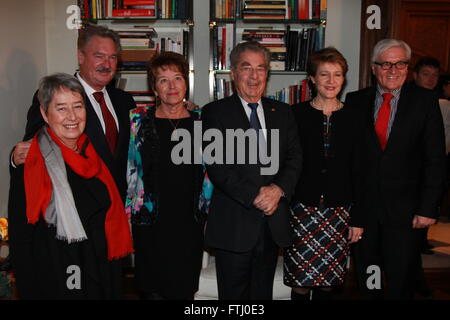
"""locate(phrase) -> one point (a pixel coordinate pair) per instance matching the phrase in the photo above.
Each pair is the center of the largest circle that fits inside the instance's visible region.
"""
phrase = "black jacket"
(335, 177)
(233, 222)
(408, 177)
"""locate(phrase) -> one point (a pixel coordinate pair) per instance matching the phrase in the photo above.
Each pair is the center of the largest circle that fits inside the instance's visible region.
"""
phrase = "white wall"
(201, 52)
(343, 32)
(61, 42)
(22, 62)
(35, 42)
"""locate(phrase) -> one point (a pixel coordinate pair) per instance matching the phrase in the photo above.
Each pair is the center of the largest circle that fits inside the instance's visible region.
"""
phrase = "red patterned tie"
(110, 125)
(382, 122)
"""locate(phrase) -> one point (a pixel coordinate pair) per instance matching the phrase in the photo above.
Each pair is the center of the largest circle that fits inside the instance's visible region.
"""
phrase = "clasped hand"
(268, 198)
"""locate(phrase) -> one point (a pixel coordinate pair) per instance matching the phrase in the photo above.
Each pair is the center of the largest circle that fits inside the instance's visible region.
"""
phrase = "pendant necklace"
(175, 127)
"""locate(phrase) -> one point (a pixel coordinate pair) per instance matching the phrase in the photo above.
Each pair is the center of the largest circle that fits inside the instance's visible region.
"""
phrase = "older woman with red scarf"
(68, 226)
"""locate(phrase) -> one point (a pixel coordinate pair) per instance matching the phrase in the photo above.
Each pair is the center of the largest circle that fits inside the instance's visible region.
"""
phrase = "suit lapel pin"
(273, 109)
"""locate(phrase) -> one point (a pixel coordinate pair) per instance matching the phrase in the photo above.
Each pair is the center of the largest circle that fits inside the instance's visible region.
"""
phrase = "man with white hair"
(404, 172)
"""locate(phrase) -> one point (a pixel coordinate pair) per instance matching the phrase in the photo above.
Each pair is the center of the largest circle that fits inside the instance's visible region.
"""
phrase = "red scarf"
(38, 190)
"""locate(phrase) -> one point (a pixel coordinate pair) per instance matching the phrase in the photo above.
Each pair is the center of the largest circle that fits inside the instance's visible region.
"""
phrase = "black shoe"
(427, 251)
(299, 296)
(322, 294)
(425, 293)
(428, 245)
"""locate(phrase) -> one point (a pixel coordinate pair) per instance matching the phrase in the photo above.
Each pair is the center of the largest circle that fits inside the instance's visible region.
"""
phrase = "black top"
(169, 252)
(331, 172)
(43, 264)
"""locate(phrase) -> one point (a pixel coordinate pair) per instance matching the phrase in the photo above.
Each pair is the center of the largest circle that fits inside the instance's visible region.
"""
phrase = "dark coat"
(233, 222)
(41, 262)
(408, 177)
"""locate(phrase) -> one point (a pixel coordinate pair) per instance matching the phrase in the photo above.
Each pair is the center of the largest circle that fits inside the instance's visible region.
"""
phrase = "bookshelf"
(145, 27)
(290, 29)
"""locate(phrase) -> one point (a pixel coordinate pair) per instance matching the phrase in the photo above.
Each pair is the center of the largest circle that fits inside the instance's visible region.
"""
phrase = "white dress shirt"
(259, 112)
(90, 93)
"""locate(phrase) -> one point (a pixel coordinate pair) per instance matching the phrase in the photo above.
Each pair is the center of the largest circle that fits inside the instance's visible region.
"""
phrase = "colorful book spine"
(133, 13)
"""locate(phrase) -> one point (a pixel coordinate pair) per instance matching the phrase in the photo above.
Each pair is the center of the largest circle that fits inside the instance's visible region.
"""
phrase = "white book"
(229, 43)
(218, 9)
(277, 65)
(219, 45)
(287, 8)
(163, 8)
(310, 9)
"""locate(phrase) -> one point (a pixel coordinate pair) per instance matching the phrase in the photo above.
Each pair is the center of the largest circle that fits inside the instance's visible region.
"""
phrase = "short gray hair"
(49, 85)
(252, 45)
(386, 44)
(86, 34)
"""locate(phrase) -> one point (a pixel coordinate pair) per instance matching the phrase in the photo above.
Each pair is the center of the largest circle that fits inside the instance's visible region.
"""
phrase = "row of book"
(137, 59)
(272, 39)
(178, 44)
(264, 9)
(138, 46)
(269, 9)
(143, 99)
(296, 93)
(300, 44)
(299, 92)
(140, 42)
(104, 9)
(222, 43)
(222, 88)
(136, 37)
(289, 49)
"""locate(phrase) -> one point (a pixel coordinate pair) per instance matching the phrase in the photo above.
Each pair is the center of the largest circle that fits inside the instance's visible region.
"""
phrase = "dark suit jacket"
(233, 222)
(406, 179)
(117, 163)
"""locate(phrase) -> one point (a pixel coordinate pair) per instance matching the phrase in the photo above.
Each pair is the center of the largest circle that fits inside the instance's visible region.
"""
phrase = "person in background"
(444, 87)
(444, 103)
(323, 219)
(404, 171)
(67, 223)
(163, 196)
(426, 75)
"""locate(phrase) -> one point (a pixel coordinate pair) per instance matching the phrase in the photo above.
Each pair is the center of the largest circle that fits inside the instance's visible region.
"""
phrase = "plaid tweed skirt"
(319, 254)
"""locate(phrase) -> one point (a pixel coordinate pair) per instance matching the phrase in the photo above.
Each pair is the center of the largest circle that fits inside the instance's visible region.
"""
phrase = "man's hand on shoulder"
(20, 152)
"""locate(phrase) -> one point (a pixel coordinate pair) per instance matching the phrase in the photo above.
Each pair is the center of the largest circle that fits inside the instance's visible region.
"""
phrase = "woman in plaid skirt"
(324, 216)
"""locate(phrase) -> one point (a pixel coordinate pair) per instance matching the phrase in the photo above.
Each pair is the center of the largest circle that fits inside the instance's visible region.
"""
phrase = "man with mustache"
(248, 218)
(404, 172)
(107, 108)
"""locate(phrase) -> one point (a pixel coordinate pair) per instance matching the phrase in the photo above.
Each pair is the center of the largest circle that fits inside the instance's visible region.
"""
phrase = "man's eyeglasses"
(249, 70)
(400, 65)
